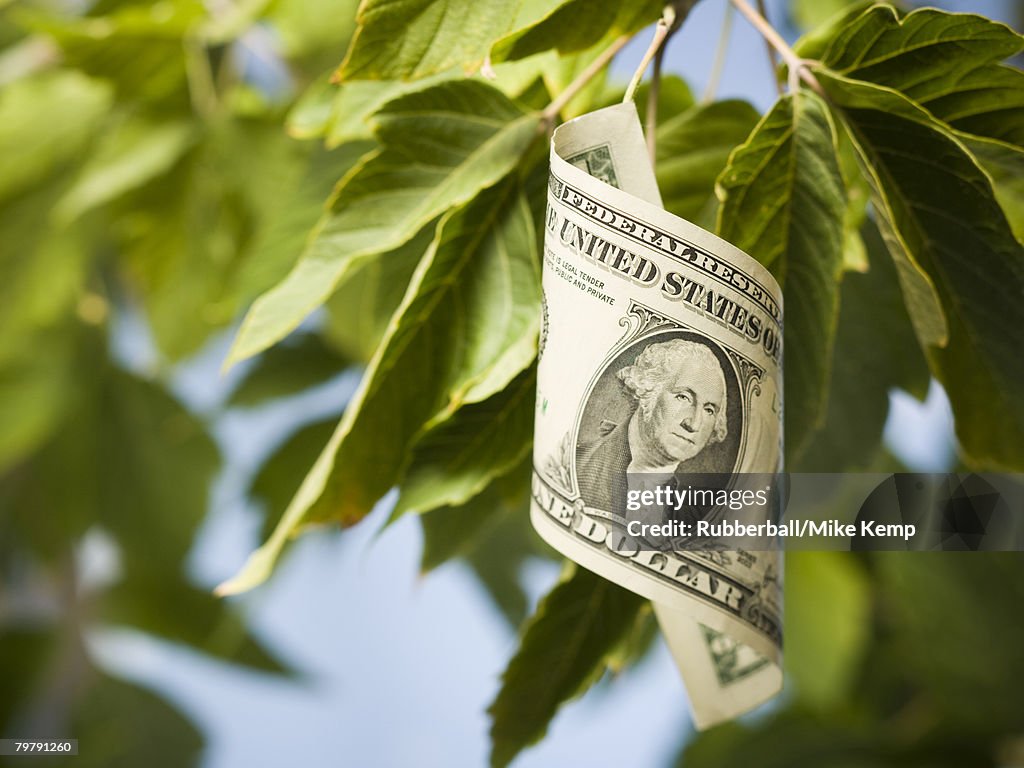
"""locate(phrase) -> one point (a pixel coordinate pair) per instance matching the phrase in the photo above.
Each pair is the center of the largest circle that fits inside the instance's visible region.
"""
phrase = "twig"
(797, 67)
(551, 111)
(773, 59)
(651, 120)
(661, 32)
(719, 63)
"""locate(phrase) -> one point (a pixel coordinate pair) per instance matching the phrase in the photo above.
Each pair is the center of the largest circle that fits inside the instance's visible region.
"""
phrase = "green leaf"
(441, 146)
(129, 156)
(976, 691)
(288, 201)
(819, 37)
(693, 148)
(457, 460)
(875, 350)
(573, 25)
(783, 203)
(145, 55)
(947, 63)
(340, 113)
(44, 270)
(408, 40)
(467, 325)
(811, 14)
(828, 613)
(288, 369)
(1004, 163)
(162, 604)
(939, 207)
(26, 652)
(358, 312)
(492, 533)
(124, 726)
(808, 737)
(305, 27)
(454, 530)
(46, 122)
(564, 649)
(282, 473)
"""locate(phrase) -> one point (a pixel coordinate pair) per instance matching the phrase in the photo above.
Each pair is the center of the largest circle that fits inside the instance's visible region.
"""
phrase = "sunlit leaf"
(128, 157)
(828, 609)
(45, 122)
(480, 273)
(783, 202)
(947, 63)
(416, 38)
(570, 26)
(938, 205)
(441, 146)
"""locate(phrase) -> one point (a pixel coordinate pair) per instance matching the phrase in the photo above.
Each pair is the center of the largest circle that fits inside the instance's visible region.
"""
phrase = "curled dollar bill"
(660, 361)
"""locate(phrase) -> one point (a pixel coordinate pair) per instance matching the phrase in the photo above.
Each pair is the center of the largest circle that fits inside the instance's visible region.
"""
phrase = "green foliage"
(783, 202)
(440, 148)
(152, 172)
(563, 651)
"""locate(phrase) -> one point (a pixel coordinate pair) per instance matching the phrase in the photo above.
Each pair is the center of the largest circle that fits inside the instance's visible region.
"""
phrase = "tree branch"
(797, 67)
(558, 103)
(773, 59)
(719, 61)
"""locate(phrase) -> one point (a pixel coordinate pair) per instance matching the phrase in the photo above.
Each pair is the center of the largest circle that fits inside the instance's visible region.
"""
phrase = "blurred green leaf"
(783, 203)
(693, 149)
(564, 649)
(455, 530)
(305, 27)
(954, 635)
(875, 351)
(143, 50)
(480, 272)
(423, 37)
(46, 121)
(441, 146)
(44, 270)
(288, 369)
(164, 605)
(26, 652)
(124, 726)
(283, 472)
(457, 460)
(936, 204)
(358, 312)
(130, 155)
(810, 14)
(828, 613)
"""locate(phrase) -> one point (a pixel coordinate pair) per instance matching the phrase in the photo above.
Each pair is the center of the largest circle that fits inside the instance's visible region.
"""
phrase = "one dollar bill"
(660, 361)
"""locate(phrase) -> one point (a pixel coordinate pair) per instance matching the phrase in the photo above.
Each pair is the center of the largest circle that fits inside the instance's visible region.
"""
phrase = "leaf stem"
(797, 67)
(773, 59)
(661, 32)
(558, 103)
(651, 120)
(719, 62)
